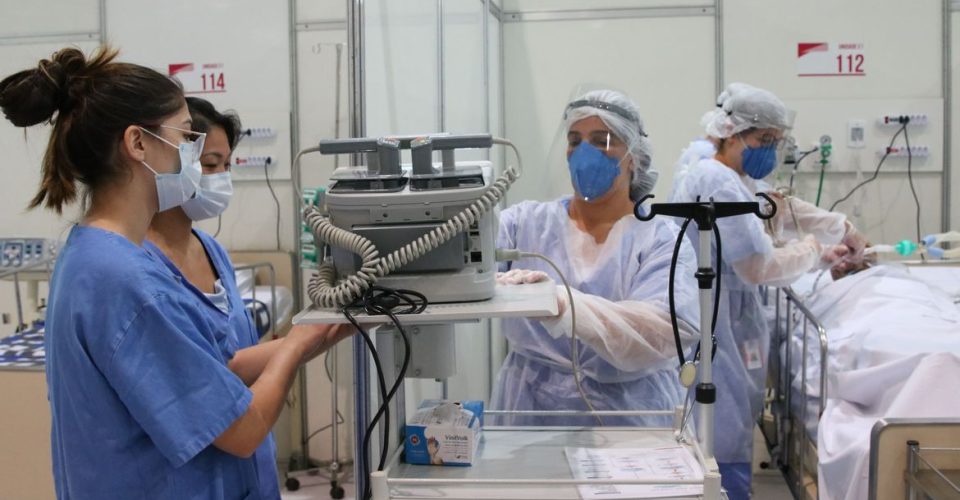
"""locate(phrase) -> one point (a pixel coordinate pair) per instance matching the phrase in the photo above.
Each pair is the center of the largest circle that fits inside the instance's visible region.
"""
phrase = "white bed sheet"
(889, 330)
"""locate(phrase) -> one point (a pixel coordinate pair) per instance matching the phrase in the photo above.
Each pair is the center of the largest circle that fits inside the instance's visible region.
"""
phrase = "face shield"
(600, 137)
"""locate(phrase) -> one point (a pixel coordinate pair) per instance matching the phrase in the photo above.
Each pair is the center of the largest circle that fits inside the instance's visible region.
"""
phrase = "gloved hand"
(855, 241)
(521, 276)
(833, 254)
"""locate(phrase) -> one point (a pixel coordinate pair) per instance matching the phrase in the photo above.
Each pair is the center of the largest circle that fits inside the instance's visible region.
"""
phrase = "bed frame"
(788, 442)
(273, 269)
(913, 456)
(792, 448)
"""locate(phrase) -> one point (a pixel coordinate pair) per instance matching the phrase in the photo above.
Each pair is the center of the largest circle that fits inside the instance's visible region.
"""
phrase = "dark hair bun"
(33, 96)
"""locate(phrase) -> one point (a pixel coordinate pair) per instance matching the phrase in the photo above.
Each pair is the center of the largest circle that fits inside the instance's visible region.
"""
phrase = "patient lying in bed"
(894, 341)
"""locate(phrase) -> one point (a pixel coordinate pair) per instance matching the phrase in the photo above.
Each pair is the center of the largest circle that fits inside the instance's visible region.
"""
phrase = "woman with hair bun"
(146, 399)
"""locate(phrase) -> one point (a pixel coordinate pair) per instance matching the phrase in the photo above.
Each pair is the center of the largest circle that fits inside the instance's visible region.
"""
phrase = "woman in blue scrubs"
(204, 265)
(146, 401)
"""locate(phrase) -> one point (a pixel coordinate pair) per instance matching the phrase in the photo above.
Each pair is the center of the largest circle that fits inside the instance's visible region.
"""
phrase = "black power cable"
(364, 450)
(913, 190)
(796, 164)
(378, 300)
(875, 172)
(716, 298)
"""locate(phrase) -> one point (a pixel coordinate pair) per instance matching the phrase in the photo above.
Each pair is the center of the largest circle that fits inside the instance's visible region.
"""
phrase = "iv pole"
(705, 215)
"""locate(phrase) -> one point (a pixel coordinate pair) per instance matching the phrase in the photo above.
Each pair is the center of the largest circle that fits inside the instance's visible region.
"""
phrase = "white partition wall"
(902, 50)
(431, 66)
(661, 55)
(322, 79)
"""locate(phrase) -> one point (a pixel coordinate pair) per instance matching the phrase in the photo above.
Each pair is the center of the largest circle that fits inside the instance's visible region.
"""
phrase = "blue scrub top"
(241, 334)
(138, 381)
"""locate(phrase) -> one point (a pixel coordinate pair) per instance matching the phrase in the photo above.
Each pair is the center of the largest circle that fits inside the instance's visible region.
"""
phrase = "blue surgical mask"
(758, 162)
(592, 171)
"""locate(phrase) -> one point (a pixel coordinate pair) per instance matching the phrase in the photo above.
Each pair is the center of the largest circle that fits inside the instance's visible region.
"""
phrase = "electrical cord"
(875, 172)
(295, 179)
(323, 288)
(574, 344)
(688, 402)
(913, 190)
(796, 165)
(716, 298)
(379, 300)
(266, 176)
(364, 449)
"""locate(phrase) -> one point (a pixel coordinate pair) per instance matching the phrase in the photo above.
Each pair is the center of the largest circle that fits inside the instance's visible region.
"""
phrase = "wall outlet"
(856, 134)
(915, 119)
(252, 161)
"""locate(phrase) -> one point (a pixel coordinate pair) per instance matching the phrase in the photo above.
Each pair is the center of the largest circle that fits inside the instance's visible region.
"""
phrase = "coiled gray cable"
(326, 292)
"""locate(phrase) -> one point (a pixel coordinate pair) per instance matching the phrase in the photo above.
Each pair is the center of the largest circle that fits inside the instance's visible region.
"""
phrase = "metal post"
(718, 40)
(16, 288)
(705, 261)
(947, 63)
(335, 426)
(804, 402)
(788, 434)
(361, 404)
(357, 86)
(441, 95)
(913, 447)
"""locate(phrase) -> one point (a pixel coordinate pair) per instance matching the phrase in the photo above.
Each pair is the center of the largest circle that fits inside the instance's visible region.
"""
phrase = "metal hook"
(636, 209)
(773, 207)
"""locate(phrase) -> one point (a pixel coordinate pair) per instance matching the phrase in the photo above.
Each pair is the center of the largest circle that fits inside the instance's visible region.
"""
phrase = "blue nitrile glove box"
(444, 433)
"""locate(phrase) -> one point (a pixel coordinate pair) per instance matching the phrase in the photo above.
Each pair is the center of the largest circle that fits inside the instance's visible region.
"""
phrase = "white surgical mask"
(174, 189)
(212, 197)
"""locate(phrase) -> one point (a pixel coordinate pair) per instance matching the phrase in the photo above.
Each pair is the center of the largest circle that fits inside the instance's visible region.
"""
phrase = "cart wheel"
(293, 484)
(336, 492)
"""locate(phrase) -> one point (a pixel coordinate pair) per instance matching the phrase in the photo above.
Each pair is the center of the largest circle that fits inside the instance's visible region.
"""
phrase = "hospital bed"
(265, 280)
(846, 354)
(25, 462)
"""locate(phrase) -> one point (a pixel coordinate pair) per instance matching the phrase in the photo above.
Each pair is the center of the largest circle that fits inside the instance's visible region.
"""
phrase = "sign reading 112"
(199, 78)
(831, 59)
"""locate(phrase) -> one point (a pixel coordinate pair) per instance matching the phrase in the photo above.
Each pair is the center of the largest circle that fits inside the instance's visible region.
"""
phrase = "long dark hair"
(90, 102)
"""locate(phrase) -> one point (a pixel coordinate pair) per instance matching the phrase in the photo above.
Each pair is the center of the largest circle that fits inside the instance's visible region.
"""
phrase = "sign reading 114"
(208, 79)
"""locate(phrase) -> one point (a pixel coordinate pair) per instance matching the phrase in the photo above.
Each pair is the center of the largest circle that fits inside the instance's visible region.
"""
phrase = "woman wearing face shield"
(618, 268)
(146, 400)
(743, 135)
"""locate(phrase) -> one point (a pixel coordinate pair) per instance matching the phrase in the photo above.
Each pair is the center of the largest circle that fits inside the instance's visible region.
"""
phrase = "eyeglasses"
(769, 139)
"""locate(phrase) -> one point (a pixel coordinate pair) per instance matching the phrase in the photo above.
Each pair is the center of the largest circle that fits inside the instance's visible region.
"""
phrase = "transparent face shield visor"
(568, 136)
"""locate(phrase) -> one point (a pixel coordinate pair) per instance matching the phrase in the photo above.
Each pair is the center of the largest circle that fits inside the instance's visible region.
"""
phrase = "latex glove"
(521, 276)
(833, 254)
(856, 241)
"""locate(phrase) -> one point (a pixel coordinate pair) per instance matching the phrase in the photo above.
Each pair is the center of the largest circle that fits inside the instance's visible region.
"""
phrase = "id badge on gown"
(752, 359)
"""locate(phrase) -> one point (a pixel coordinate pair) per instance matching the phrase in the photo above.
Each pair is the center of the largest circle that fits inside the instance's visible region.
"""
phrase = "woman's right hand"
(313, 340)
